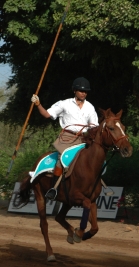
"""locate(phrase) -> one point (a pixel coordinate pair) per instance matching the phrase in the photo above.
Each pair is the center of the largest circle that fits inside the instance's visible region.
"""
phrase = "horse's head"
(112, 133)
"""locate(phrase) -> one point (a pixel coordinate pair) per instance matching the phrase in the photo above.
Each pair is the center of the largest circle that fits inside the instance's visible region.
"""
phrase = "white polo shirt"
(69, 114)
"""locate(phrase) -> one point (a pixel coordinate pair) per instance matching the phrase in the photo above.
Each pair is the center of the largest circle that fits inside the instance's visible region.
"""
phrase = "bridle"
(109, 134)
(115, 148)
(114, 140)
(104, 128)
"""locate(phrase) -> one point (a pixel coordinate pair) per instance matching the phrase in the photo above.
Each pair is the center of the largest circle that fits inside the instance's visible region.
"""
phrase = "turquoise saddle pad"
(48, 163)
(69, 154)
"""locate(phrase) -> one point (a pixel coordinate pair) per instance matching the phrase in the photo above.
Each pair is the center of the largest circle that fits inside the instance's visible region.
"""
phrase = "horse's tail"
(23, 194)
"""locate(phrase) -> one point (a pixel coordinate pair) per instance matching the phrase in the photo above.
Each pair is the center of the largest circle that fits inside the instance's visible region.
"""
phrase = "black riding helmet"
(81, 84)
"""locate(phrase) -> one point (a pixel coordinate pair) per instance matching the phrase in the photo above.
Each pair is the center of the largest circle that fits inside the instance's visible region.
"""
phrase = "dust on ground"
(22, 245)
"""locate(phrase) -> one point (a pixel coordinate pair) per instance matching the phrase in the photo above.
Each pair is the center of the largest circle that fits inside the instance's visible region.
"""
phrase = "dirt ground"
(22, 245)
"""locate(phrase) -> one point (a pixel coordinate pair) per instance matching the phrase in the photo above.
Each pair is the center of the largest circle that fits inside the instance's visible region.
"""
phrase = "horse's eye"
(111, 129)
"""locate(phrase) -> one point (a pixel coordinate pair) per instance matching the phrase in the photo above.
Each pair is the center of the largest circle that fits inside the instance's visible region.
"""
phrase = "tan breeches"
(64, 141)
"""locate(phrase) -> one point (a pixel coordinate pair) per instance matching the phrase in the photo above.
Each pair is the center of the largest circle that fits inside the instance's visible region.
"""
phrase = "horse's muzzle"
(126, 152)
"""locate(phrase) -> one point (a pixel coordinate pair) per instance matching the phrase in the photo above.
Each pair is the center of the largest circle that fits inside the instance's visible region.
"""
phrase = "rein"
(114, 140)
(115, 149)
(75, 134)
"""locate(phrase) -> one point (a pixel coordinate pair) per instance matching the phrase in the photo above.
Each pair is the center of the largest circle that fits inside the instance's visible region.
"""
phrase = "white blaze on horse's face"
(118, 125)
(104, 124)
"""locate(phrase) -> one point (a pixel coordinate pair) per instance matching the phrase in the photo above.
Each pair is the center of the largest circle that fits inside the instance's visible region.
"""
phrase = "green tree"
(99, 40)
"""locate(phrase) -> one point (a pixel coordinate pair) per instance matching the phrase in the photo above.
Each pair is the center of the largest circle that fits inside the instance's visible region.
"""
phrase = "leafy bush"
(124, 172)
(32, 147)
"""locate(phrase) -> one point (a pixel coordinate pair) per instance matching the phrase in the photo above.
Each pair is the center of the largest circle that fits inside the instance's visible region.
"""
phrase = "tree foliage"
(99, 40)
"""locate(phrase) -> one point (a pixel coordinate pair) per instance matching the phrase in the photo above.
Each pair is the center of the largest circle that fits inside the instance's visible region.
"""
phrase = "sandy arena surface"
(22, 245)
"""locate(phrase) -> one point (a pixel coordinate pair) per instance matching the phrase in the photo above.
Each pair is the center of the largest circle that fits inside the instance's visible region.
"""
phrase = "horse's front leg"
(41, 205)
(60, 218)
(91, 215)
(93, 221)
(86, 203)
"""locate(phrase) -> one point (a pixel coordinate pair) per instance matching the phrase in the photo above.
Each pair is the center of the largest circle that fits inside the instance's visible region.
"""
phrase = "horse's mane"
(90, 135)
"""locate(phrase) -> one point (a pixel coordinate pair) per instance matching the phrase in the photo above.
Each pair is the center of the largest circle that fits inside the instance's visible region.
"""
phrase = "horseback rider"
(73, 113)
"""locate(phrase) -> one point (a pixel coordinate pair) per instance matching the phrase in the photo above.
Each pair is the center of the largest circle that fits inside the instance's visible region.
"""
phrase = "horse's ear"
(108, 112)
(101, 110)
(101, 114)
(119, 114)
(104, 114)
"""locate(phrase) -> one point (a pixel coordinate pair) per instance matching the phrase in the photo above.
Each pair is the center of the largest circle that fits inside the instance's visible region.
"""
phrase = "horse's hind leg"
(93, 221)
(60, 218)
(41, 205)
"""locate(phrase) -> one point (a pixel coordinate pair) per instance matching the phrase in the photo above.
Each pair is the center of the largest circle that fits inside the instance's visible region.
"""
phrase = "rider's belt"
(71, 132)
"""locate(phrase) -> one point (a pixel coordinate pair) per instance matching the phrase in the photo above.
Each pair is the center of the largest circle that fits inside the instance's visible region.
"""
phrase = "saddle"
(68, 159)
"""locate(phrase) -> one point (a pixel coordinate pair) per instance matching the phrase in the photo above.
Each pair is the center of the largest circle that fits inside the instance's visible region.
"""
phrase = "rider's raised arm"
(35, 99)
(43, 111)
(56, 110)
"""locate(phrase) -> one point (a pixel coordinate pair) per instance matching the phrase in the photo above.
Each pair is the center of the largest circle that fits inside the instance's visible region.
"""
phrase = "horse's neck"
(97, 151)
(103, 138)
(96, 156)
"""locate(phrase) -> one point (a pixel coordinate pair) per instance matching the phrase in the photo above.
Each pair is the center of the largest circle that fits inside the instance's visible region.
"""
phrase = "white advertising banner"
(31, 207)
(106, 204)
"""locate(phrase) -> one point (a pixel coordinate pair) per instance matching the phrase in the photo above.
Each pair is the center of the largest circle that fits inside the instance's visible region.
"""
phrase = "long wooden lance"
(38, 89)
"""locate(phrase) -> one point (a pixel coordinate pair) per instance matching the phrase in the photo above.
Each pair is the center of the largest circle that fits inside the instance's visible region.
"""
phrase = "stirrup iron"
(53, 191)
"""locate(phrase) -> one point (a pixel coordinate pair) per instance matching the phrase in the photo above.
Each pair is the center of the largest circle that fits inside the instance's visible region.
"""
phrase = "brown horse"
(84, 184)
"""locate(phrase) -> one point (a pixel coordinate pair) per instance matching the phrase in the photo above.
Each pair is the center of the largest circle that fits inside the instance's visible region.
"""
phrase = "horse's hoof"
(51, 258)
(70, 239)
(77, 238)
(86, 236)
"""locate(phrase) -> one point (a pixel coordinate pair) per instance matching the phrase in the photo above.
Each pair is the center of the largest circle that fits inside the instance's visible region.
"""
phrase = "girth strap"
(65, 187)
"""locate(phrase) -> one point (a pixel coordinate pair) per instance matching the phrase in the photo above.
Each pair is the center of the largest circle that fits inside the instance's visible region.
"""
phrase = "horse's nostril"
(126, 152)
